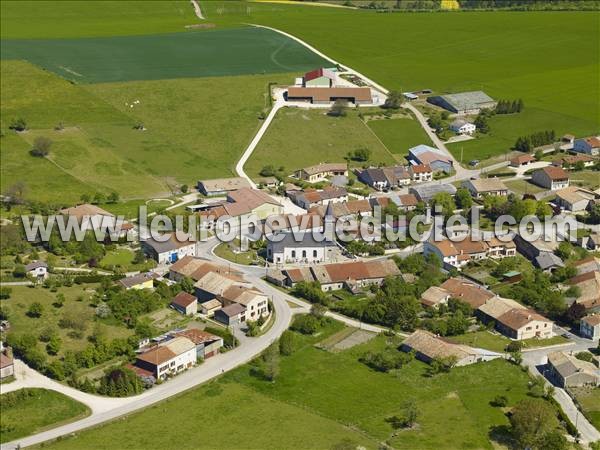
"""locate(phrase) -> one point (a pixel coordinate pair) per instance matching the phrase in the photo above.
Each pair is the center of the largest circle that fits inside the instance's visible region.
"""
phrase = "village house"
(207, 344)
(353, 275)
(91, 217)
(540, 252)
(170, 248)
(139, 281)
(309, 198)
(320, 172)
(420, 173)
(456, 254)
(319, 78)
(461, 126)
(589, 264)
(168, 358)
(285, 249)
(37, 270)
(221, 186)
(433, 157)
(466, 291)
(589, 145)
(195, 268)
(481, 187)
(435, 296)
(255, 302)
(571, 161)
(403, 202)
(574, 198)
(591, 242)
(185, 303)
(522, 161)
(7, 364)
(213, 284)
(383, 178)
(567, 371)
(429, 347)
(209, 307)
(589, 288)
(268, 182)
(514, 320)
(589, 326)
(551, 177)
(426, 193)
(231, 315)
(464, 102)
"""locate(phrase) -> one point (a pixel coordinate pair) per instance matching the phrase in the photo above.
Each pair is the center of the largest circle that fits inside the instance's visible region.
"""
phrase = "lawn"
(586, 178)
(498, 343)
(228, 52)
(589, 400)
(41, 408)
(506, 128)
(521, 187)
(399, 135)
(59, 19)
(251, 420)
(225, 251)
(298, 138)
(122, 258)
(130, 209)
(77, 306)
(188, 132)
(310, 396)
(506, 54)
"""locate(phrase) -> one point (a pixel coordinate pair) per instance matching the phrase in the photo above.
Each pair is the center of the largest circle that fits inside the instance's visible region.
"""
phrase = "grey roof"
(426, 193)
(306, 240)
(171, 244)
(373, 175)
(468, 100)
(547, 260)
(34, 265)
(339, 180)
(233, 310)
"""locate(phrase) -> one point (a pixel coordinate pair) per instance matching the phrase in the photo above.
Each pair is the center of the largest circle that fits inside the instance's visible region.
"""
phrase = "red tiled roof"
(183, 299)
(555, 173)
(198, 336)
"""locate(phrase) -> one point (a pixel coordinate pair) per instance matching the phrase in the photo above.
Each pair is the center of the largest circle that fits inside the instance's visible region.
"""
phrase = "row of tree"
(509, 107)
(528, 143)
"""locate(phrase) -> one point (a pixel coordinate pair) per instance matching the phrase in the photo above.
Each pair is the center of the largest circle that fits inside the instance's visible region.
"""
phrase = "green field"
(299, 138)
(77, 306)
(497, 343)
(41, 408)
(229, 52)
(310, 396)
(589, 399)
(549, 59)
(399, 135)
(521, 187)
(189, 133)
(58, 19)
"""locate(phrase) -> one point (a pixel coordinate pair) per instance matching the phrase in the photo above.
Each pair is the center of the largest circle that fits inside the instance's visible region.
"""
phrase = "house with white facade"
(170, 248)
(285, 248)
(37, 270)
(168, 358)
(514, 320)
(589, 326)
(551, 177)
(255, 302)
(461, 126)
(420, 173)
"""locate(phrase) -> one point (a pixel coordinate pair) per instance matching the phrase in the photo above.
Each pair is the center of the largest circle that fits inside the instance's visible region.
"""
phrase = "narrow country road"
(197, 9)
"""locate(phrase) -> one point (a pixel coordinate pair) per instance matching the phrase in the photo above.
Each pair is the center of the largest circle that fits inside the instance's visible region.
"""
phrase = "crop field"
(399, 135)
(39, 19)
(241, 51)
(309, 394)
(299, 138)
(189, 133)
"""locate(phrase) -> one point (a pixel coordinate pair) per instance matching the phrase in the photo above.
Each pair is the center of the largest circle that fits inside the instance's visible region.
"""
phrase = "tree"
(184, 188)
(553, 440)
(35, 310)
(287, 343)
(463, 199)
(59, 301)
(5, 293)
(531, 419)
(113, 197)
(267, 171)
(499, 401)
(564, 250)
(54, 344)
(18, 125)
(538, 155)
(85, 198)
(41, 146)
(120, 382)
(393, 100)
(579, 166)
(443, 203)
(481, 122)
(99, 197)
(270, 362)
(338, 109)
(19, 271)
(361, 154)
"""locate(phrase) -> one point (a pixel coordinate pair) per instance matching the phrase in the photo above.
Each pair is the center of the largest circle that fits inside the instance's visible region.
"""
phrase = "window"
(314, 253)
(304, 253)
(293, 253)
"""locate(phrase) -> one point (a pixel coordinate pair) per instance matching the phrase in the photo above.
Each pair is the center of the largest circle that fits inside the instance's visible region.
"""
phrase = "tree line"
(509, 107)
(527, 143)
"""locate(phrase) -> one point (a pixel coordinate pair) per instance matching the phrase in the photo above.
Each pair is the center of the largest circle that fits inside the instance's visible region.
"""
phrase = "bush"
(386, 360)
(120, 382)
(41, 146)
(306, 324)
(287, 343)
(18, 125)
(499, 401)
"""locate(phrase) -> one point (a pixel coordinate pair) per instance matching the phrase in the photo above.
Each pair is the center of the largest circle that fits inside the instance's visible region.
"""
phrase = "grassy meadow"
(399, 135)
(189, 133)
(76, 307)
(42, 408)
(310, 394)
(298, 138)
